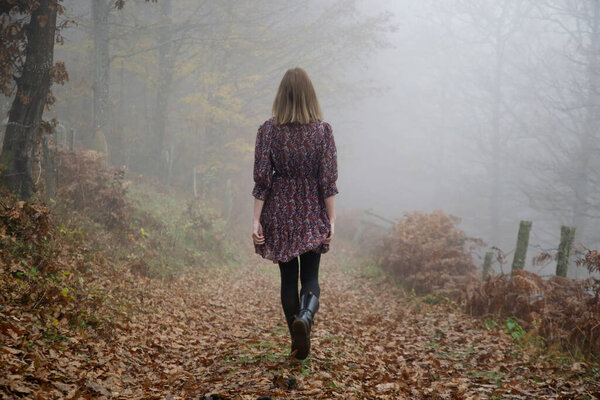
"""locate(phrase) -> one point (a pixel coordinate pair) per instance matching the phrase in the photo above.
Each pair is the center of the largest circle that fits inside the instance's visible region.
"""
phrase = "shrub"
(428, 252)
(88, 186)
(25, 236)
(37, 267)
(560, 310)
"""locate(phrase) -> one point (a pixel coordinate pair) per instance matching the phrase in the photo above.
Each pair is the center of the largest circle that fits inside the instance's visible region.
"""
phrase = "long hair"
(296, 100)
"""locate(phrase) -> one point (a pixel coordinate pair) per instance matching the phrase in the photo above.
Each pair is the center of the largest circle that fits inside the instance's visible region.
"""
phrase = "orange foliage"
(428, 252)
(560, 310)
(86, 185)
(37, 266)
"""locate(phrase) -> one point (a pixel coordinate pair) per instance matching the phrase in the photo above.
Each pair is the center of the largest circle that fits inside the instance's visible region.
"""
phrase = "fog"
(488, 110)
(427, 141)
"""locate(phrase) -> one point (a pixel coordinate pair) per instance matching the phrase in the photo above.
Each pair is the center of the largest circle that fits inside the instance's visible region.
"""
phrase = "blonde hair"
(296, 100)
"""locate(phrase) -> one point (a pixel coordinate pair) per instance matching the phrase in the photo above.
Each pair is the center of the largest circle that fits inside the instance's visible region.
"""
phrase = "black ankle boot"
(309, 305)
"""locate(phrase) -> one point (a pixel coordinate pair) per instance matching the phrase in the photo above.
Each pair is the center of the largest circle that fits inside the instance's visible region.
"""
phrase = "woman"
(295, 170)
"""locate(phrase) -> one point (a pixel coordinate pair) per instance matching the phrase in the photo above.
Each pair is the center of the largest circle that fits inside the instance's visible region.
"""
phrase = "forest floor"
(220, 333)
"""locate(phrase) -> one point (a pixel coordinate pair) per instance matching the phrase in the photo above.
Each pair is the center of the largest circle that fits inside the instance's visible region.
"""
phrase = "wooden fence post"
(567, 235)
(487, 264)
(522, 243)
(48, 169)
(60, 136)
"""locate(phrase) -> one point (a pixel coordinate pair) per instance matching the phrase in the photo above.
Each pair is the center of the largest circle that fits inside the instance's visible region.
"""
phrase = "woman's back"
(295, 170)
(295, 149)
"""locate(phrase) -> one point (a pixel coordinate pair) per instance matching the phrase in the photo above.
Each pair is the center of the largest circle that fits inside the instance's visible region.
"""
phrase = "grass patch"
(365, 267)
(179, 233)
(333, 385)
(372, 271)
(267, 345)
(305, 368)
(492, 376)
(490, 323)
(280, 330)
(53, 337)
(432, 299)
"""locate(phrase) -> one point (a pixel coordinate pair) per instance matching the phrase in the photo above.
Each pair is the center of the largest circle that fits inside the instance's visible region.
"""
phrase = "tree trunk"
(28, 105)
(100, 11)
(116, 144)
(439, 134)
(497, 187)
(165, 79)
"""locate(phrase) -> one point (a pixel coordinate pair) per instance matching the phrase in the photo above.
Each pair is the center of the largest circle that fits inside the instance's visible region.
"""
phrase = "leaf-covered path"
(222, 332)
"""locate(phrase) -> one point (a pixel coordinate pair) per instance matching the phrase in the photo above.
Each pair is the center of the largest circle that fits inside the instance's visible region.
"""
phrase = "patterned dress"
(295, 169)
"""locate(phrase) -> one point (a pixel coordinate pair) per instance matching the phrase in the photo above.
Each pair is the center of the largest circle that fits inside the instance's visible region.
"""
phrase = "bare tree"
(33, 86)
(101, 68)
(569, 76)
(494, 25)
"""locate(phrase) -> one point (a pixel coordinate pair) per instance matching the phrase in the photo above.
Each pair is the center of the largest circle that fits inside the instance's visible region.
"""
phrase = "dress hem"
(301, 252)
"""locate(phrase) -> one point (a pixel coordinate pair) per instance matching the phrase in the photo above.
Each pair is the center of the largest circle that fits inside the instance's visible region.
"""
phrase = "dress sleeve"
(263, 168)
(328, 164)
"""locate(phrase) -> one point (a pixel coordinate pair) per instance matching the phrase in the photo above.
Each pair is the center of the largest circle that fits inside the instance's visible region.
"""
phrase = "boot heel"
(301, 337)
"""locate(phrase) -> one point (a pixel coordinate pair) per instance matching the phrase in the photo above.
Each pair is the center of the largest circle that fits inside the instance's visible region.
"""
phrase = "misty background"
(488, 110)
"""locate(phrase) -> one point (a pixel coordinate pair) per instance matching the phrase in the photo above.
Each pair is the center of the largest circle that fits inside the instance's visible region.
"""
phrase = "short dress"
(295, 169)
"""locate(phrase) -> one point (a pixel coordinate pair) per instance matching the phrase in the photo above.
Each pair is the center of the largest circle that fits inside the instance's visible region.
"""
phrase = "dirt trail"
(223, 333)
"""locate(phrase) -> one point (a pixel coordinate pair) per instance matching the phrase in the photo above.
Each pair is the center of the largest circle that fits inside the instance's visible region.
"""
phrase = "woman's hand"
(257, 233)
(330, 208)
(331, 232)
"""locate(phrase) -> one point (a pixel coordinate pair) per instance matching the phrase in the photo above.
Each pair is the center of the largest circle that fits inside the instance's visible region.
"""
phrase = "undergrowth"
(156, 231)
(59, 264)
(177, 234)
(428, 258)
(428, 253)
(46, 270)
(559, 311)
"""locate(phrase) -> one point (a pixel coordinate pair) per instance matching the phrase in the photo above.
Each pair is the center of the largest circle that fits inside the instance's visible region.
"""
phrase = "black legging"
(309, 277)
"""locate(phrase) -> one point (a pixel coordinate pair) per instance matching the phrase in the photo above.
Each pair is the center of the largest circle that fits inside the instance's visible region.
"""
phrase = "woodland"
(126, 265)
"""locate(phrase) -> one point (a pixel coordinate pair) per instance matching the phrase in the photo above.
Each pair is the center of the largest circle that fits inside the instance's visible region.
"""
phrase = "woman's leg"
(289, 290)
(309, 273)
(309, 303)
